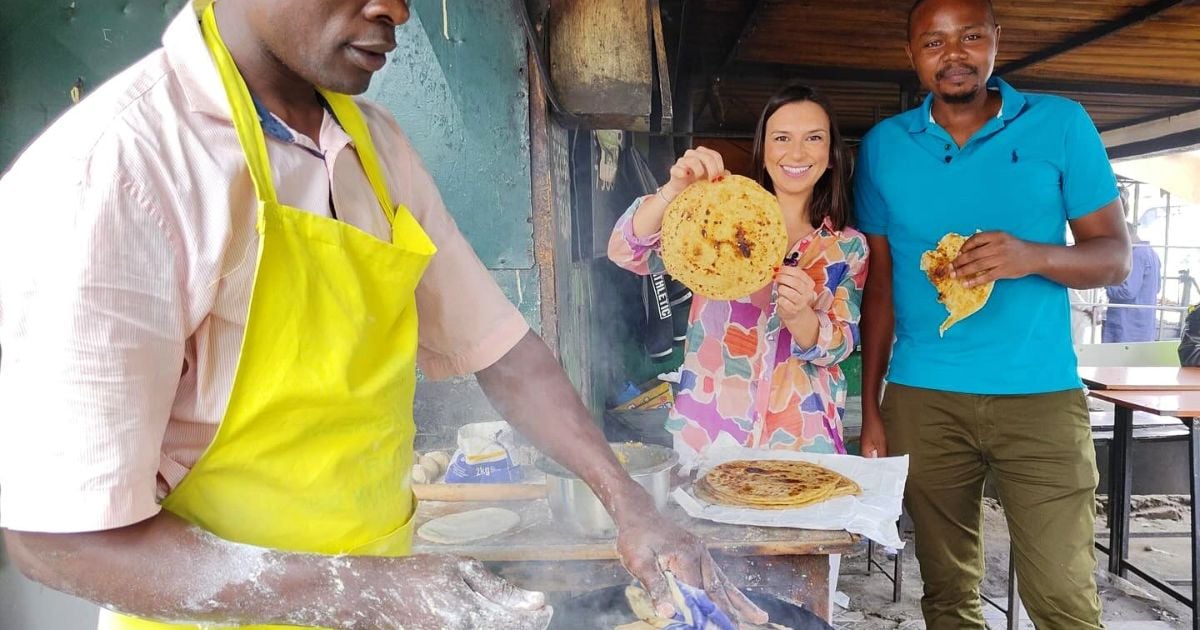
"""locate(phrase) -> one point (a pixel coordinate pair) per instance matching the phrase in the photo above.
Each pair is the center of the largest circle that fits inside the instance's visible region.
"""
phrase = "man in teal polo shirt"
(998, 395)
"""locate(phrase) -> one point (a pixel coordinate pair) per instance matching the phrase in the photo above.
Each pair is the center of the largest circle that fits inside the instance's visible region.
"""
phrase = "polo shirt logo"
(1014, 156)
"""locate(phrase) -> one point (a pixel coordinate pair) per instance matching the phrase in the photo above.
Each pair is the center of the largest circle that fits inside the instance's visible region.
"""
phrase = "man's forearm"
(532, 392)
(182, 573)
(1097, 262)
(878, 324)
(172, 571)
(878, 329)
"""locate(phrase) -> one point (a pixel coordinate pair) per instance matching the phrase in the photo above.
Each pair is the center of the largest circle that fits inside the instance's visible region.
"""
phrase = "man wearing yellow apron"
(294, 508)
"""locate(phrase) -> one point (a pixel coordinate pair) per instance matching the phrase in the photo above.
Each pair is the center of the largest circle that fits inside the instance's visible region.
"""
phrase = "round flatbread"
(464, 527)
(773, 484)
(959, 301)
(724, 239)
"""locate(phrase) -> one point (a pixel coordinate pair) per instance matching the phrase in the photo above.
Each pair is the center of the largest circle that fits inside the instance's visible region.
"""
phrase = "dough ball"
(431, 468)
(419, 474)
(441, 457)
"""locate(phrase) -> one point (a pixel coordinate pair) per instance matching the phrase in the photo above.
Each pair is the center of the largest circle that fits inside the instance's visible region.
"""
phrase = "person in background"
(998, 397)
(1140, 288)
(1189, 338)
(1083, 316)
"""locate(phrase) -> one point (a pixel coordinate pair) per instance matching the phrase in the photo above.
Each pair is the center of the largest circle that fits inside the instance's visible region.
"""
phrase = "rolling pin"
(479, 491)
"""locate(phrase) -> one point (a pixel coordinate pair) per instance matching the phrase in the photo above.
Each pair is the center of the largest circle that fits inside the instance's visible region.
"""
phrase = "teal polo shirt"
(1028, 171)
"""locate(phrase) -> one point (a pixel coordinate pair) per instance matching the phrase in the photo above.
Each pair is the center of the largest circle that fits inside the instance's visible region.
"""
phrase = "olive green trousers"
(1037, 450)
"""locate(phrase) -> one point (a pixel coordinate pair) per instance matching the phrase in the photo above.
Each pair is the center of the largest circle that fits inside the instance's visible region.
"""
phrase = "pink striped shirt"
(127, 251)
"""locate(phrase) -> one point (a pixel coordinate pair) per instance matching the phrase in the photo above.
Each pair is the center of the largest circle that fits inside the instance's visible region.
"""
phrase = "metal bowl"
(574, 504)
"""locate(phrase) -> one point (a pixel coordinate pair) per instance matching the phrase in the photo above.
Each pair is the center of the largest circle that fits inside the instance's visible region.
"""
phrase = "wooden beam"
(678, 24)
(784, 72)
(1134, 16)
(600, 60)
(907, 79)
(1166, 114)
(538, 63)
(1101, 88)
(744, 33)
(681, 73)
(666, 112)
(1173, 143)
(1180, 122)
(543, 189)
(748, 134)
(745, 30)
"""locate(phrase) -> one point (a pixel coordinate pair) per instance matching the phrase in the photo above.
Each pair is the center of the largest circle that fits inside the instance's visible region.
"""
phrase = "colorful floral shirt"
(742, 373)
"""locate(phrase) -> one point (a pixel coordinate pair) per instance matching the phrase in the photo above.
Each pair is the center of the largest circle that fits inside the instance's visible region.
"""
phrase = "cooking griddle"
(607, 608)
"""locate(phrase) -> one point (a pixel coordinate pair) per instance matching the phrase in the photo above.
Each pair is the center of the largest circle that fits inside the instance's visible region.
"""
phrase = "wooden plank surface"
(1163, 49)
(1141, 378)
(1164, 403)
(540, 538)
(600, 60)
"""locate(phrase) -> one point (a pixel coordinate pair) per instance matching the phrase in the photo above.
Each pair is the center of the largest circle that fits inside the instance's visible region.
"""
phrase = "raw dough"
(430, 465)
(419, 474)
(441, 457)
(465, 527)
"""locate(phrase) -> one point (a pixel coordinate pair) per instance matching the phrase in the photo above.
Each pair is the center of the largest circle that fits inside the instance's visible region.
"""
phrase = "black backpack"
(1189, 343)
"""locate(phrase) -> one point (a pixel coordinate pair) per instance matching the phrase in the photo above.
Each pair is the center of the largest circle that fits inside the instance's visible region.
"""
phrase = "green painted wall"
(45, 45)
(457, 84)
(462, 100)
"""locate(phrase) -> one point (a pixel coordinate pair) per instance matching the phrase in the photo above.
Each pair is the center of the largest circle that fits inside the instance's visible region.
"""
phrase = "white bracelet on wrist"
(660, 195)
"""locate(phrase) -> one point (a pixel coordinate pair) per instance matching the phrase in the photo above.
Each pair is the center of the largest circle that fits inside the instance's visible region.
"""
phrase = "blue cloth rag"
(704, 611)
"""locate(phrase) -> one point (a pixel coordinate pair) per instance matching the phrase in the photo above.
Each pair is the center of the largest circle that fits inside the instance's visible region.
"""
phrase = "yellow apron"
(315, 449)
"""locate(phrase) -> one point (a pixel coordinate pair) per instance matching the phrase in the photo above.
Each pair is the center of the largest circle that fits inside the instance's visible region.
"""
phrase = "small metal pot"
(573, 503)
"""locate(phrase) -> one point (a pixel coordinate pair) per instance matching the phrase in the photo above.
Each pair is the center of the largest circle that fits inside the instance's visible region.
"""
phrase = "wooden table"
(1141, 378)
(1184, 405)
(541, 555)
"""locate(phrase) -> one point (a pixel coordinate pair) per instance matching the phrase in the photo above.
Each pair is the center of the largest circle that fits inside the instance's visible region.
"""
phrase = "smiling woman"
(800, 156)
(762, 368)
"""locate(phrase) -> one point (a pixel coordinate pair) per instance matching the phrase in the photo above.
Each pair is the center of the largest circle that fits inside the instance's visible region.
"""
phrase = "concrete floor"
(1127, 606)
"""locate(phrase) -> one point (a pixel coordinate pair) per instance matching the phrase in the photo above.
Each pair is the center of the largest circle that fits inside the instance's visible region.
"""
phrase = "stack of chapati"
(772, 484)
(724, 239)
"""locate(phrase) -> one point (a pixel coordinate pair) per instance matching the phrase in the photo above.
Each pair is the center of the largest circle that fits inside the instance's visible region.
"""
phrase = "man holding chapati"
(998, 395)
(211, 272)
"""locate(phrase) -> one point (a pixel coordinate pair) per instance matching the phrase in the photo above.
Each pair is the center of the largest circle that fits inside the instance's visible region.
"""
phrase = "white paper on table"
(872, 514)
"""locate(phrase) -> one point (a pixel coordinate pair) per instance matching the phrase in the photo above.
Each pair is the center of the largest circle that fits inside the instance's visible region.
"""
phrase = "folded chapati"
(960, 301)
(648, 619)
(724, 239)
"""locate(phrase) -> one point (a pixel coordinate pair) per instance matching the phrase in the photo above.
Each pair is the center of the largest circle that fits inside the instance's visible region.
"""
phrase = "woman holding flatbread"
(762, 368)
